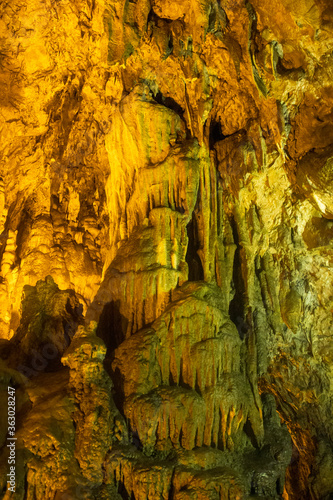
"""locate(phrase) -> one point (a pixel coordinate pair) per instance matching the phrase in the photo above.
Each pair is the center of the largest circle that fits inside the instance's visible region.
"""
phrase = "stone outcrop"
(165, 248)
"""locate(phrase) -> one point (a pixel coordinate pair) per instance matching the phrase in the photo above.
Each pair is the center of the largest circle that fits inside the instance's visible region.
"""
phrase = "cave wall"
(166, 260)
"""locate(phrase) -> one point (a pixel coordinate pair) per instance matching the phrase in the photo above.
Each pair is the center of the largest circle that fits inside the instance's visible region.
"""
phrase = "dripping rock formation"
(166, 213)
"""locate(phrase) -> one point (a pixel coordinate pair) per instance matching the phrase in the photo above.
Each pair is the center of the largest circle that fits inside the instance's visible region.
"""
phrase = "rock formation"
(165, 248)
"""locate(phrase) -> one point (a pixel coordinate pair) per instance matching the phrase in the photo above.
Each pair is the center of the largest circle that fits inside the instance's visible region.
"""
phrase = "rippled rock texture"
(166, 248)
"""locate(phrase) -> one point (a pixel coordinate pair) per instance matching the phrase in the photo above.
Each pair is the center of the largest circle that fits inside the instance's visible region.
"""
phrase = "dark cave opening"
(170, 44)
(215, 133)
(111, 329)
(195, 269)
(123, 492)
(111, 326)
(169, 102)
(237, 304)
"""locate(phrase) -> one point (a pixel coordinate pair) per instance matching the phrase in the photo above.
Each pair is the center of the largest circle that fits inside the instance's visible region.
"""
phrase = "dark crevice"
(195, 269)
(26, 487)
(172, 382)
(279, 487)
(248, 429)
(111, 329)
(258, 267)
(135, 440)
(76, 311)
(112, 325)
(122, 491)
(171, 493)
(169, 102)
(215, 133)
(170, 46)
(117, 379)
(237, 304)
(180, 210)
(181, 433)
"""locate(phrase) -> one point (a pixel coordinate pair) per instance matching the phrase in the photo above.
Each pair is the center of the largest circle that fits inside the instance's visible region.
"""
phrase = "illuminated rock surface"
(166, 223)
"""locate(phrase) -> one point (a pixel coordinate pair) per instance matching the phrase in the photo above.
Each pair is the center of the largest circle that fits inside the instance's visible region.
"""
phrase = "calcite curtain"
(166, 213)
